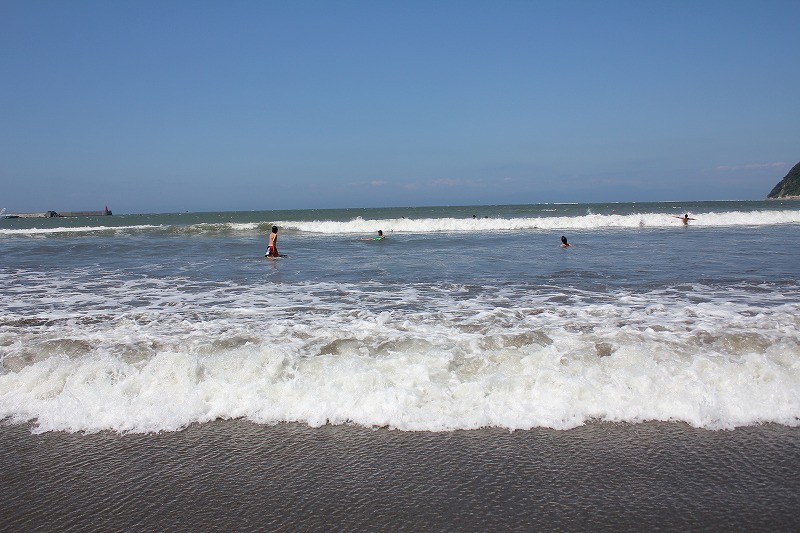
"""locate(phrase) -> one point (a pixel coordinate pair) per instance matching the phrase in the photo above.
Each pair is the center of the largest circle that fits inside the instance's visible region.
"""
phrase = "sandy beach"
(239, 476)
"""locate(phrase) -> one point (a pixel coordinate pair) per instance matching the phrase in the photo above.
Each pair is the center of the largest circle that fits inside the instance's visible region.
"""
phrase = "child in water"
(379, 237)
(564, 242)
(272, 249)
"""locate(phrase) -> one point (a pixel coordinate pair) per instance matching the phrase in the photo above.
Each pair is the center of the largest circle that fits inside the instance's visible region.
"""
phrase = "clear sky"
(160, 106)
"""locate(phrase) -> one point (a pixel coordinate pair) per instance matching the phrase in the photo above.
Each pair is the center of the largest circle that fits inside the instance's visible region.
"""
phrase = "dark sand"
(238, 476)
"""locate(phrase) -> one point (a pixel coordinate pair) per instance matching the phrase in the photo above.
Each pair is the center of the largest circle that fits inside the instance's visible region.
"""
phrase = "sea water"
(462, 318)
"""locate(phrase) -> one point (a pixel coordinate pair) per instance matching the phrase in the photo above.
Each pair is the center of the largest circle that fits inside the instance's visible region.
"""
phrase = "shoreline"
(237, 475)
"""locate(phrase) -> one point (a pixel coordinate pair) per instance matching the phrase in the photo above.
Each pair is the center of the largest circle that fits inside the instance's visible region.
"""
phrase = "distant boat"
(4, 216)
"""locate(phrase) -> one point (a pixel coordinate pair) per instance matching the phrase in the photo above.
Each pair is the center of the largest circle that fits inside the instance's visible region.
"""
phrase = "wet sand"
(238, 476)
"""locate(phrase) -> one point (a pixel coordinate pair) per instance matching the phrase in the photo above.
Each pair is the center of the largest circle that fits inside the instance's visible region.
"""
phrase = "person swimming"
(685, 219)
(564, 242)
(378, 237)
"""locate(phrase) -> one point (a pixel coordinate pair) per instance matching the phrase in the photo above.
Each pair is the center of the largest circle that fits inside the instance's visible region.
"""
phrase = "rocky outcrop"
(789, 186)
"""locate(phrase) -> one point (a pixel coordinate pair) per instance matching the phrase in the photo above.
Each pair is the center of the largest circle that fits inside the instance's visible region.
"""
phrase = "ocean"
(465, 326)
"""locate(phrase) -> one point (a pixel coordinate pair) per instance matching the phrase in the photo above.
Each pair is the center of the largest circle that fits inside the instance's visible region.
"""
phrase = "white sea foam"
(156, 333)
(76, 230)
(167, 355)
(205, 227)
(584, 222)
(361, 225)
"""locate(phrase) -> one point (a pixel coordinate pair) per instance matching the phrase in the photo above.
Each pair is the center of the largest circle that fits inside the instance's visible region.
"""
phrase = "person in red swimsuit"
(272, 249)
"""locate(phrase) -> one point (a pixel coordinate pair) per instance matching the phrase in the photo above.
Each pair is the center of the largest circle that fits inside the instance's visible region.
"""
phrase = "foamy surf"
(154, 323)
(551, 220)
(466, 365)
(583, 222)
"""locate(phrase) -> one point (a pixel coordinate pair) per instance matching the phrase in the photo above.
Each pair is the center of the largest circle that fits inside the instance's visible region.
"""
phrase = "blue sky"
(209, 105)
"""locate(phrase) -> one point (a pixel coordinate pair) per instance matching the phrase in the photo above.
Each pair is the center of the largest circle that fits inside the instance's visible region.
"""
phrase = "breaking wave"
(360, 225)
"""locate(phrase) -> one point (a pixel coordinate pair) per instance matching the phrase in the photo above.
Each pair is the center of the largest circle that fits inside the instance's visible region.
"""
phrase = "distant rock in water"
(789, 186)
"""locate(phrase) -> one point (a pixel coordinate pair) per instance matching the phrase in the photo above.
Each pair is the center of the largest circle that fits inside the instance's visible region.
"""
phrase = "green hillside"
(789, 185)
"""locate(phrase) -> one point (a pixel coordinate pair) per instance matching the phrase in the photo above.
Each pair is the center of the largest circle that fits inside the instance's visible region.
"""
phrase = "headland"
(789, 187)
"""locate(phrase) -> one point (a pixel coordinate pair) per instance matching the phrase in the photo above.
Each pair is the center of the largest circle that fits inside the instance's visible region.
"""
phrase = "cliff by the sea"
(789, 186)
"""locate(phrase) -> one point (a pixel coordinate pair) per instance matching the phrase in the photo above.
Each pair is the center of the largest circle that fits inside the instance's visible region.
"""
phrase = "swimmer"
(379, 237)
(564, 243)
(272, 249)
(685, 219)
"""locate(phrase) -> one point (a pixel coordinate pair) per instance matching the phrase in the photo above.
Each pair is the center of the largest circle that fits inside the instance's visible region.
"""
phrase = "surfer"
(378, 237)
(564, 243)
(685, 219)
(272, 249)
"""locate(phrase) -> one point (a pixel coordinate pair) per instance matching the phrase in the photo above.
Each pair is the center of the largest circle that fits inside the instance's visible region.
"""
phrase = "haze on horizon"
(211, 106)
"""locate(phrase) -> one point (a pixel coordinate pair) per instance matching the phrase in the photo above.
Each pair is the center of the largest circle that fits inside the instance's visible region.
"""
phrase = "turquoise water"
(153, 322)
